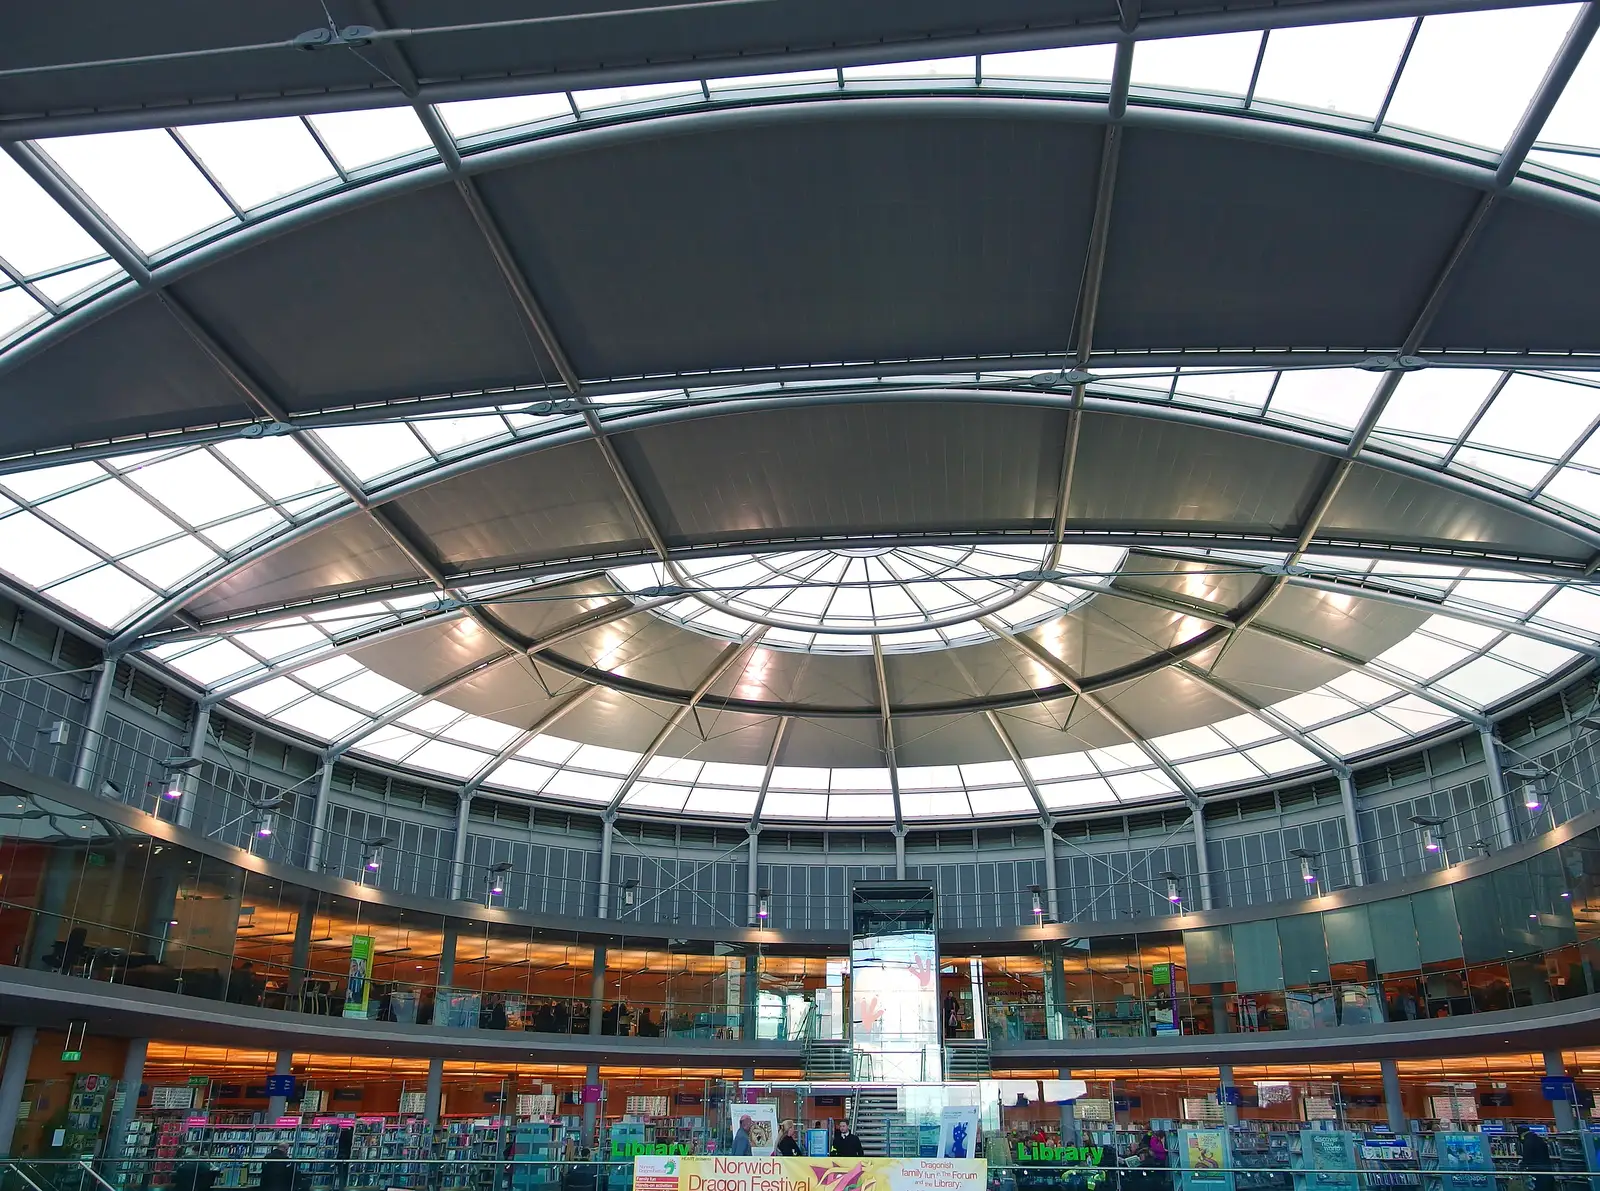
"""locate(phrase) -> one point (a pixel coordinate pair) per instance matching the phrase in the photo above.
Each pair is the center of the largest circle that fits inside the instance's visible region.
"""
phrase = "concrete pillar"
(434, 1096)
(283, 1064)
(597, 989)
(603, 894)
(749, 1074)
(1391, 1095)
(751, 991)
(132, 1077)
(161, 904)
(1052, 896)
(447, 953)
(590, 1109)
(753, 881)
(1566, 1119)
(458, 859)
(61, 868)
(300, 955)
(1230, 1112)
(1352, 828)
(319, 818)
(1497, 791)
(91, 747)
(1202, 864)
(19, 1053)
(189, 781)
(900, 852)
(1069, 1116)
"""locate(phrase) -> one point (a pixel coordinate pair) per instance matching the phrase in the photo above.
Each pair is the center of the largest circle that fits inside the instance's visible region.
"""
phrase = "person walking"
(1536, 1159)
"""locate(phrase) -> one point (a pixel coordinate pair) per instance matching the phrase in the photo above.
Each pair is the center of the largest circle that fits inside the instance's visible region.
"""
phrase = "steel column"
(1392, 1100)
(1566, 1120)
(91, 747)
(190, 779)
(603, 893)
(132, 1077)
(1052, 896)
(19, 1053)
(433, 1097)
(319, 817)
(1352, 827)
(458, 856)
(283, 1064)
(1498, 797)
(1202, 862)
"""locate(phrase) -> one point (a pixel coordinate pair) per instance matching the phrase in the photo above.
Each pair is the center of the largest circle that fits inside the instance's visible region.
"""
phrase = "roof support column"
(752, 908)
(1498, 798)
(603, 894)
(92, 746)
(189, 780)
(458, 858)
(886, 723)
(899, 851)
(319, 817)
(1352, 827)
(1202, 865)
(1051, 893)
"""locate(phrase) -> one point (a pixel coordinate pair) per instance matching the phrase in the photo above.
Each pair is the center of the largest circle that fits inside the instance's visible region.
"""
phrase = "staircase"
(872, 1112)
(827, 1060)
(967, 1058)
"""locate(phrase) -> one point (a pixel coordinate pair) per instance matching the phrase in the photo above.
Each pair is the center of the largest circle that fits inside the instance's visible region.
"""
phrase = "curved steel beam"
(519, 742)
(406, 706)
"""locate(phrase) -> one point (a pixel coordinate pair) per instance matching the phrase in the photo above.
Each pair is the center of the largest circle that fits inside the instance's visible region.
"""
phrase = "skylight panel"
(1226, 770)
(1248, 389)
(280, 640)
(1061, 765)
(472, 117)
(257, 161)
(1537, 416)
(1431, 407)
(522, 775)
(45, 482)
(17, 310)
(271, 696)
(1575, 120)
(143, 183)
(363, 138)
(793, 78)
(1473, 636)
(36, 234)
(279, 466)
(111, 517)
(106, 596)
(555, 749)
(450, 759)
(1519, 472)
(1333, 68)
(1283, 756)
(37, 553)
(1574, 607)
(1422, 656)
(1117, 757)
(1221, 62)
(374, 450)
(961, 69)
(61, 288)
(237, 531)
(603, 97)
(390, 744)
(949, 804)
(1585, 165)
(1095, 791)
(852, 778)
(718, 800)
(1576, 487)
(213, 662)
(1417, 716)
(1314, 707)
(481, 732)
(929, 777)
(1359, 733)
(368, 691)
(990, 773)
(1503, 592)
(1149, 783)
(324, 674)
(1471, 75)
(1485, 681)
(1334, 396)
(782, 804)
(860, 806)
(1086, 63)
(657, 795)
(586, 787)
(604, 760)
(1362, 688)
(1245, 729)
(430, 716)
(1538, 656)
(195, 486)
(797, 777)
(170, 563)
(447, 434)
(684, 770)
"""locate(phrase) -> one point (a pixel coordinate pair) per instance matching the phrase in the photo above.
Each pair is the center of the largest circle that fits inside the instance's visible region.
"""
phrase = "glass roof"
(112, 539)
(835, 601)
(1450, 82)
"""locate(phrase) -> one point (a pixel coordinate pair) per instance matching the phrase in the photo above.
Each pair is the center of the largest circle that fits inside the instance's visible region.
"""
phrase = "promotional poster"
(763, 1126)
(958, 1131)
(672, 1173)
(359, 990)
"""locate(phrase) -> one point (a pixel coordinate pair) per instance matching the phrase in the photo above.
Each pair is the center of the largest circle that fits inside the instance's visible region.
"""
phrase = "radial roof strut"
(880, 684)
(517, 743)
(734, 653)
(409, 704)
(776, 748)
(1266, 715)
(1057, 667)
(1511, 160)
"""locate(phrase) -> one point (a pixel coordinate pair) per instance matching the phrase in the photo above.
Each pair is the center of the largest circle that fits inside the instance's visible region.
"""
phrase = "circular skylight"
(910, 597)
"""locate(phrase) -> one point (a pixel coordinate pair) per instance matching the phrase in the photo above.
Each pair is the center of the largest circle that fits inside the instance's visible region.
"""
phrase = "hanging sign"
(359, 989)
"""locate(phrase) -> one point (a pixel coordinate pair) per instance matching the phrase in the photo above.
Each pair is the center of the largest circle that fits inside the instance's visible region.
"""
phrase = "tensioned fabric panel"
(776, 240)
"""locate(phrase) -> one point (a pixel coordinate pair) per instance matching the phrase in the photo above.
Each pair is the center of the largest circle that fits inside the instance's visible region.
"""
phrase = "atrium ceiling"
(1092, 415)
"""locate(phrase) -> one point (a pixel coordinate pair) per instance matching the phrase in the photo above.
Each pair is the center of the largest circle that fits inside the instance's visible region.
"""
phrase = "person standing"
(741, 1139)
(788, 1145)
(1536, 1158)
(846, 1144)
(277, 1172)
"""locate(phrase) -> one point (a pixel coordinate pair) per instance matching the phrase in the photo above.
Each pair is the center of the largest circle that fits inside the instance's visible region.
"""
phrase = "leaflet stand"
(1205, 1160)
(1328, 1160)
(1465, 1161)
